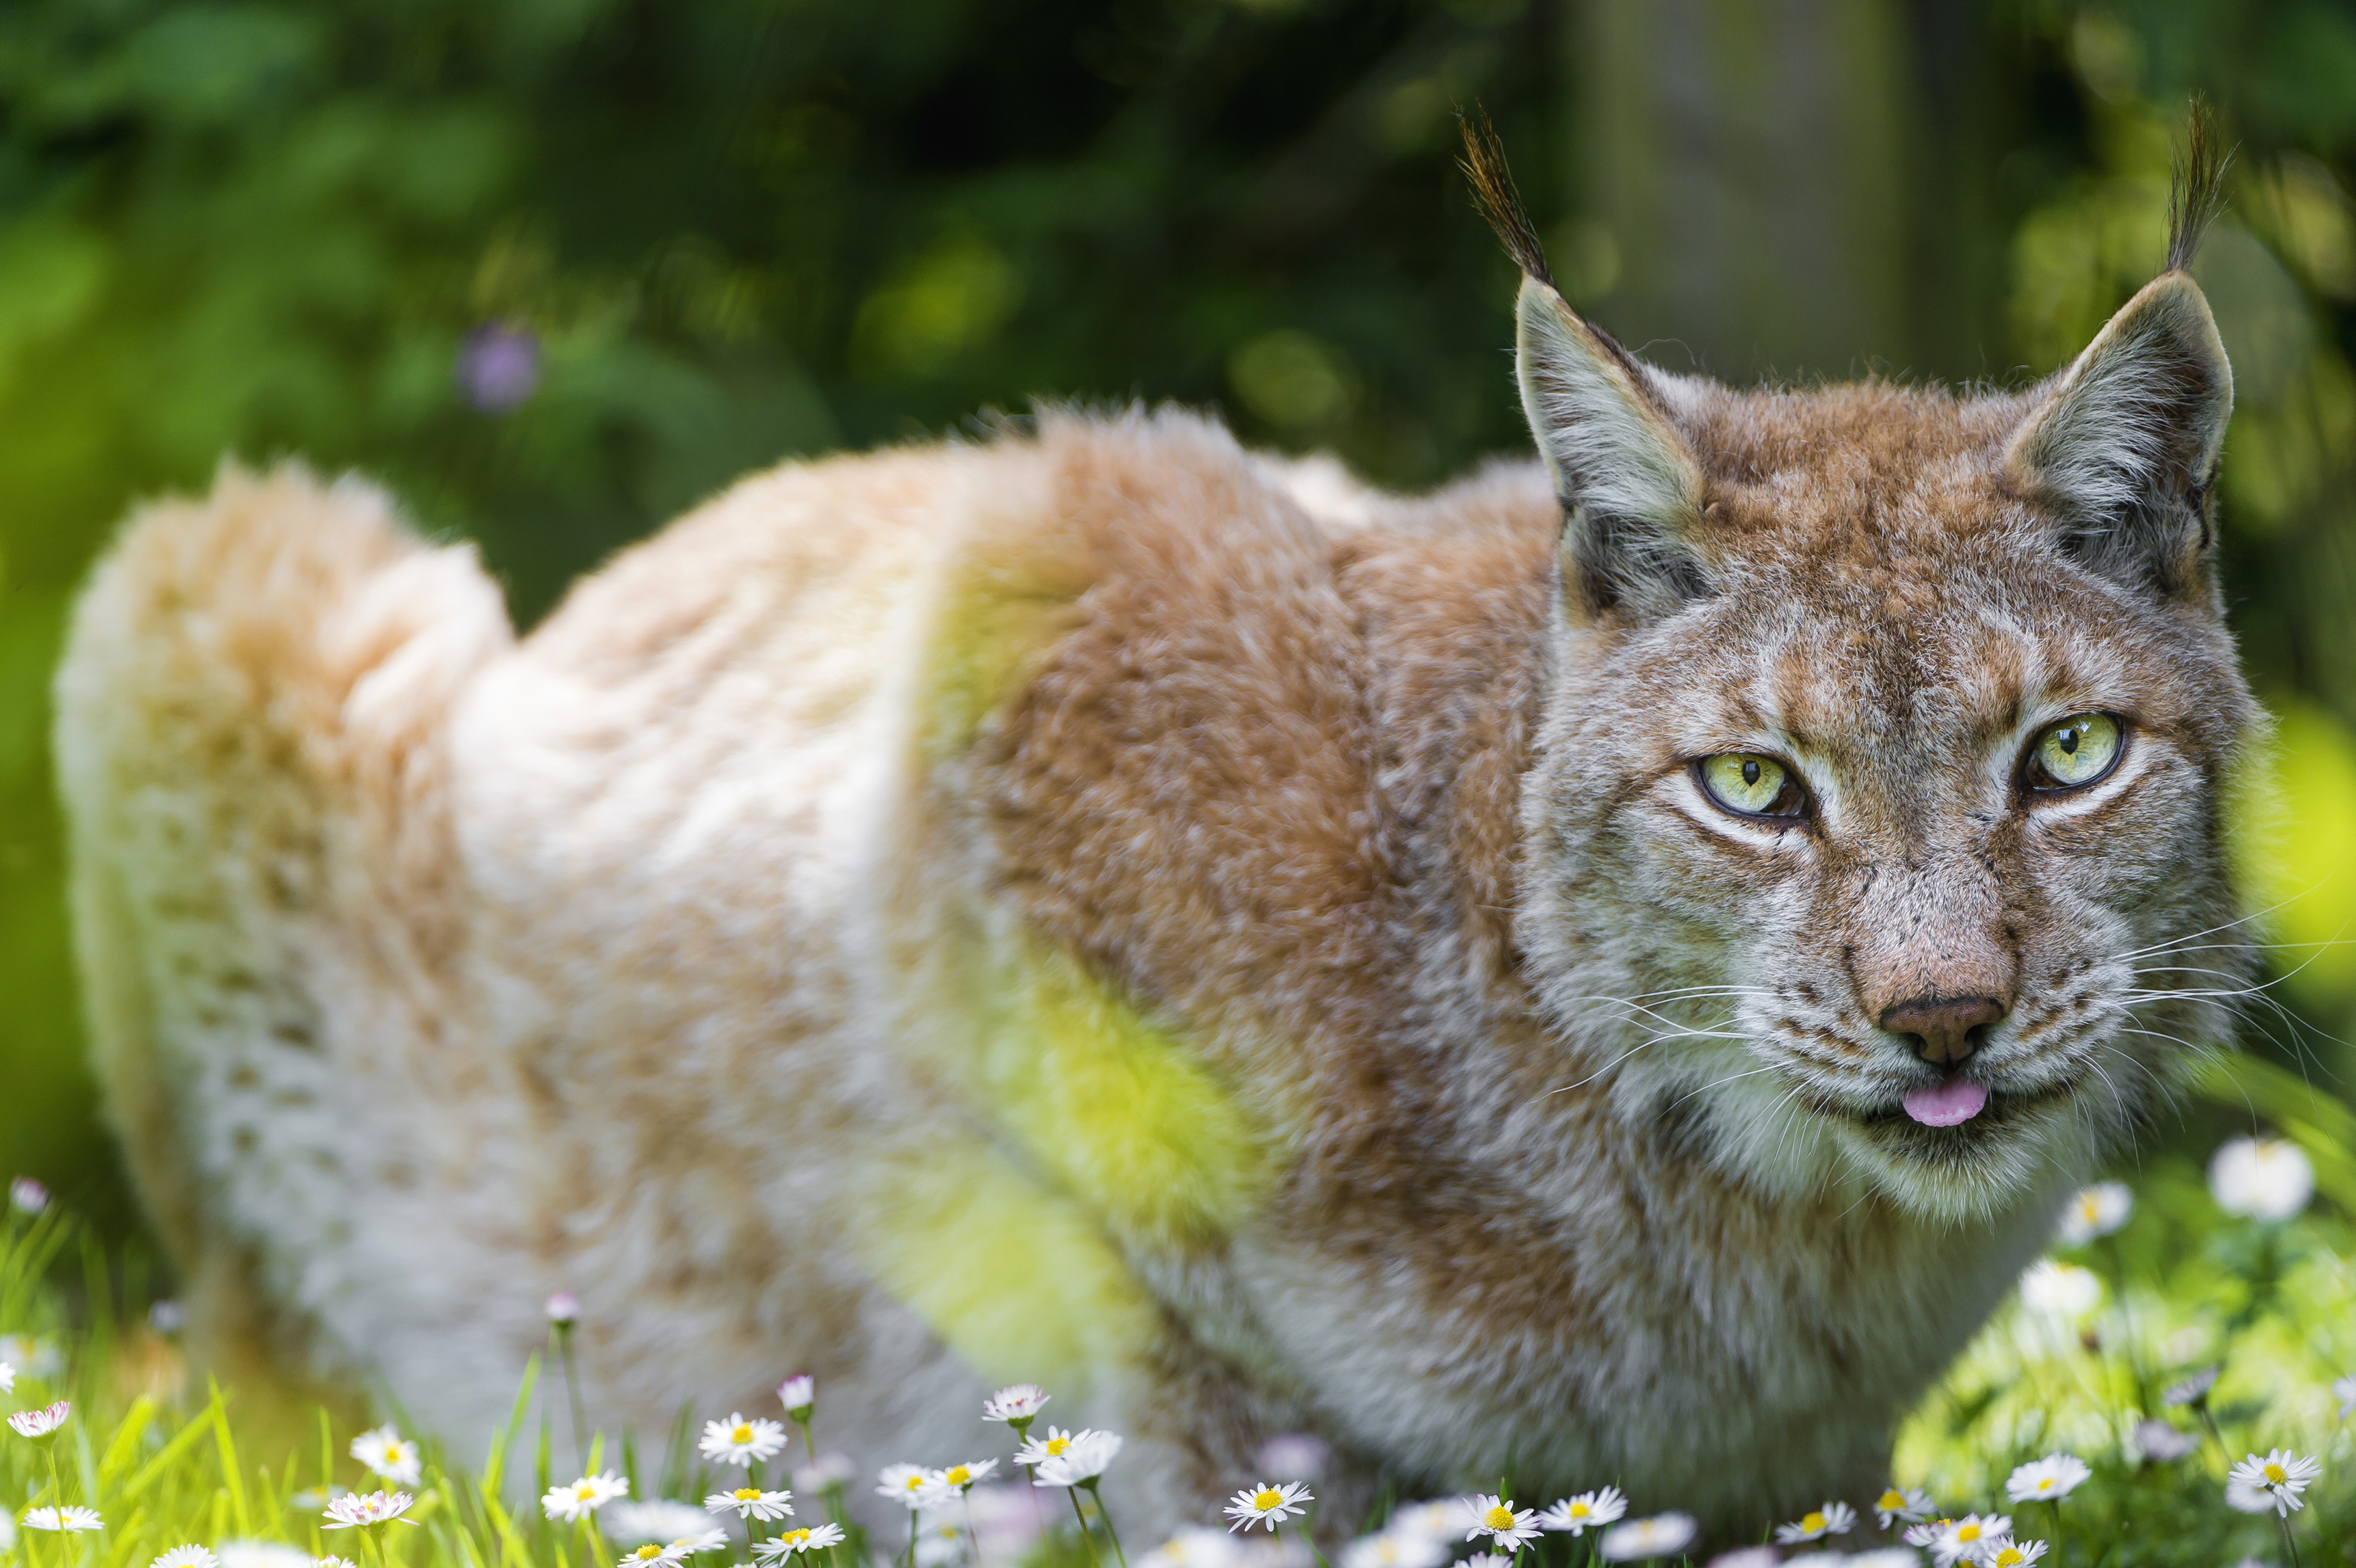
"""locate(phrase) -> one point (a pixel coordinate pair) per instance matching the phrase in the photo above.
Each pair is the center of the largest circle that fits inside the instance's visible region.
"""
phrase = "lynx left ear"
(2124, 444)
(1629, 488)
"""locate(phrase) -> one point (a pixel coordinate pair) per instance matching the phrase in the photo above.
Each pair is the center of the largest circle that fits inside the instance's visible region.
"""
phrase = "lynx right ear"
(1629, 488)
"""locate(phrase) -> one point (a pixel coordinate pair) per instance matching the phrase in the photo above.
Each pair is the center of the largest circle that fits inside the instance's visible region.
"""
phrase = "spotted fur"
(1251, 952)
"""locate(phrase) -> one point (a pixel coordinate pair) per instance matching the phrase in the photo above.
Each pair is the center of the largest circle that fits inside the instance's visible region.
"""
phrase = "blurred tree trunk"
(1785, 185)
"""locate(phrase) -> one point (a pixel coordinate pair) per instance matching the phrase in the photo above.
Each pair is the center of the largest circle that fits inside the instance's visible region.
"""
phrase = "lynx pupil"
(1750, 768)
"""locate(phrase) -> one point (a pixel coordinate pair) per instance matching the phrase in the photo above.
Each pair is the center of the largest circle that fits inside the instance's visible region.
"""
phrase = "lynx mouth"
(1900, 1128)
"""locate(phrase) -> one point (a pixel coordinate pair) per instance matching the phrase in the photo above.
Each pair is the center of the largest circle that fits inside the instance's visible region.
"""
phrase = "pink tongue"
(1956, 1100)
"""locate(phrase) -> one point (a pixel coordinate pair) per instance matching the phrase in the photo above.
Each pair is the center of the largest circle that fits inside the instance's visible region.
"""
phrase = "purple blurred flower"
(498, 366)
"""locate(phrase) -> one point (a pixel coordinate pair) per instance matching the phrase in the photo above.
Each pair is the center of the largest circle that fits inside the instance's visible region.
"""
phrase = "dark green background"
(740, 230)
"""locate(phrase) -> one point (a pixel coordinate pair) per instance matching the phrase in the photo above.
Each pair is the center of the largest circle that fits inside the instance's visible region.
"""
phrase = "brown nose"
(1943, 1028)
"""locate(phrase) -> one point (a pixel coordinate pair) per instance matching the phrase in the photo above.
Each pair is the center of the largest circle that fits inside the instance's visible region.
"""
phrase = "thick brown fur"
(1105, 905)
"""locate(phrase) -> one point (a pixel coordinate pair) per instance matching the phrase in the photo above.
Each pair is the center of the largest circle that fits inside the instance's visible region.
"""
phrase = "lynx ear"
(1629, 488)
(2124, 442)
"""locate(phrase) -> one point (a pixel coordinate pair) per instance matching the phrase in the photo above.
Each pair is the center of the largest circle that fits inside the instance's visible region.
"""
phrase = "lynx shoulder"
(1607, 968)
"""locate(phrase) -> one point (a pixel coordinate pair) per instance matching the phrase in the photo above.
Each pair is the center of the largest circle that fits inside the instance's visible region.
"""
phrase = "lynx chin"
(1607, 970)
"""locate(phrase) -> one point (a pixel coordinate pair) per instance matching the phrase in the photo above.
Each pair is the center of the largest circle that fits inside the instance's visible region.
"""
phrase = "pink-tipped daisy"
(354, 1510)
(1016, 1401)
(42, 1422)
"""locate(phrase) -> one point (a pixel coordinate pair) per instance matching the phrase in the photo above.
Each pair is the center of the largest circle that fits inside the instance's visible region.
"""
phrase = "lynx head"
(1874, 830)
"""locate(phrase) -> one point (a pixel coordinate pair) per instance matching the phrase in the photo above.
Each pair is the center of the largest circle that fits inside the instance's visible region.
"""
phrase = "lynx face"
(1875, 832)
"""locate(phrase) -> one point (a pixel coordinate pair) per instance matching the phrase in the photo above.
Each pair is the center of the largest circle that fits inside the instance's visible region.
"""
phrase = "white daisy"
(1082, 1461)
(1293, 1457)
(2060, 1290)
(1395, 1548)
(789, 1543)
(947, 1486)
(42, 1422)
(2193, 1389)
(1037, 1451)
(654, 1554)
(939, 1545)
(563, 1309)
(740, 1441)
(1430, 1520)
(908, 1485)
(1887, 1557)
(37, 1358)
(829, 1469)
(1496, 1518)
(1199, 1546)
(27, 1196)
(354, 1509)
(586, 1496)
(2096, 1210)
(752, 1502)
(1573, 1516)
(1746, 1557)
(2261, 1179)
(1663, 1535)
(69, 1519)
(7, 1532)
(2345, 1387)
(190, 1556)
(1816, 1560)
(658, 1520)
(1911, 1504)
(7, 1378)
(2013, 1555)
(1267, 1504)
(329, 1561)
(266, 1554)
(2046, 1480)
(1018, 1402)
(1487, 1560)
(1964, 1540)
(799, 1394)
(2281, 1475)
(2160, 1443)
(1833, 1518)
(388, 1455)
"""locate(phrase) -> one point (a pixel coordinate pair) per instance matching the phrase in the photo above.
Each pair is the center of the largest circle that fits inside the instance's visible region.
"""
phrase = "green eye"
(1752, 785)
(2077, 751)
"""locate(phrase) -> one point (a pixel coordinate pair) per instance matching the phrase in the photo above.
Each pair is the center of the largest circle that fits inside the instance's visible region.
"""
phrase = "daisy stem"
(972, 1536)
(1086, 1539)
(912, 1538)
(2201, 1405)
(564, 1332)
(1105, 1514)
(809, 1443)
(2289, 1544)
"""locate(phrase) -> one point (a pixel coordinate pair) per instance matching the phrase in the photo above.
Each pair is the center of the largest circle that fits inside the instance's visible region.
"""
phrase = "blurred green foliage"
(555, 269)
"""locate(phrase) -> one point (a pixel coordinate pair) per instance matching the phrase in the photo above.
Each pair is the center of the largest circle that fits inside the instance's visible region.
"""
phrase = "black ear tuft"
(2196, 186)
(1500, 202)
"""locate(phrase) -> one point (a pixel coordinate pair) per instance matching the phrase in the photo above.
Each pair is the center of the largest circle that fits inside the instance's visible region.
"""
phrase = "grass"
(164, 1459)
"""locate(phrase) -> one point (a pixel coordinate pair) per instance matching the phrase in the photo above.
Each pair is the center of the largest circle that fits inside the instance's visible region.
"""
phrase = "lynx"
(1605, 971)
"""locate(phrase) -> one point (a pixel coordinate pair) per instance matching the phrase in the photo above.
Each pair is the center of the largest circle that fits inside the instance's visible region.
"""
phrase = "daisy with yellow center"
(2014, 1554)
(752, 1502)
(1575, 1516)
(946, 1487)
(1968, 1538)
(2276, 1481)
(1907, 1505)
(1833, 1518)
(2046, 1480)
(585, 1497)
(742, 1441)
(1269, 1504)
(1496, 1518)
(794, 1543)
(904, 1484)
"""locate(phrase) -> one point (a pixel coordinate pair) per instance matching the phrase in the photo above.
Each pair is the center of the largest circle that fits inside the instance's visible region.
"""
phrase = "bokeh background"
(556, 268)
